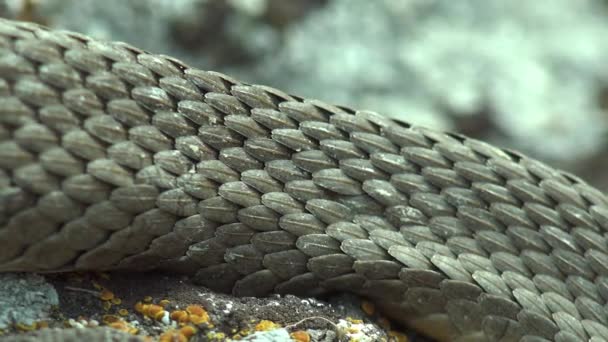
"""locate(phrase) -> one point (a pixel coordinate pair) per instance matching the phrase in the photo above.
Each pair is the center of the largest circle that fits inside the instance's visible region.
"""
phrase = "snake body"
(114, 158)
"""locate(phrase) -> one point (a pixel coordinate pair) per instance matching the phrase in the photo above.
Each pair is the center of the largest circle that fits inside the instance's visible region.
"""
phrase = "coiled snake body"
(115, 158)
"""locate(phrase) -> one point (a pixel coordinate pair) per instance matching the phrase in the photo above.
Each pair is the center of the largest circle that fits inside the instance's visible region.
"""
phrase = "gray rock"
(277, 335)
(25, 299)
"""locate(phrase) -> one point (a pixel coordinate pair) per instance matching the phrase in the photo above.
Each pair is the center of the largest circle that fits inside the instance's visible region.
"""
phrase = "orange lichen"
(106, 295)
(195, 310)
(199, 319)
(300, 336)
(188, 331)
(159, 315)
(179, 316)
(265, 325)
(139, 307)
(123, 326)
(197, 314)
(119, 325)
(108, 319)
(152, 310)
(173, 336)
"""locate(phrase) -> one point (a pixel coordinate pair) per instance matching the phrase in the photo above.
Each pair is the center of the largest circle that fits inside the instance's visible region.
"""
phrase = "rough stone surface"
(77, 302)
(25, 298)
(278, 335)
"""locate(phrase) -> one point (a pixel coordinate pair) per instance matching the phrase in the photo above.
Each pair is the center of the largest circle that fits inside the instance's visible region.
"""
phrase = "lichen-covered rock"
(74, 335)
(25, 299)
(132, 306)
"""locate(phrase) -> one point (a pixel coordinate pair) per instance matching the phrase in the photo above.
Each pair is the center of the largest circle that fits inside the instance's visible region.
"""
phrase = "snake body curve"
(115, 158)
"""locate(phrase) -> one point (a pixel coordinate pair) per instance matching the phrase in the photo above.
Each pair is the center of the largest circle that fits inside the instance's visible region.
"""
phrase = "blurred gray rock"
(536, 66)
(278, 335)
(25, 299)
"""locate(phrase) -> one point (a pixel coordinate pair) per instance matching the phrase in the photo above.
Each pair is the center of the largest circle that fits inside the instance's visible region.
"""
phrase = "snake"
(114, 158)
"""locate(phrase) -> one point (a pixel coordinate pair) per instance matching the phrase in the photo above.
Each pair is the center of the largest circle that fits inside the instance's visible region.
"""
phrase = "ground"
(164, 307)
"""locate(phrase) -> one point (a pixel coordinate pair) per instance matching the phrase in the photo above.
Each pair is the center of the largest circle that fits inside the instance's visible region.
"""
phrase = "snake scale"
(114, 158)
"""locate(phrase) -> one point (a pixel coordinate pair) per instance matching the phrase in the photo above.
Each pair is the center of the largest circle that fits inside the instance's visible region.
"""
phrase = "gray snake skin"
(115, 158)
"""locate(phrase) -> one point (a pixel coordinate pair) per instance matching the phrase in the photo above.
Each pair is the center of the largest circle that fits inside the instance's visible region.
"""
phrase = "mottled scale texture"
(114, 158)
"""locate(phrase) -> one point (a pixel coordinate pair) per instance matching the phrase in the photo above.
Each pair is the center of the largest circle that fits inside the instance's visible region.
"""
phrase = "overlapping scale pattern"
(114, 158)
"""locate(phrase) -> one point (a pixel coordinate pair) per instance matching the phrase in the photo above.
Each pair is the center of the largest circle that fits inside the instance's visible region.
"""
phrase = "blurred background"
(529, 75)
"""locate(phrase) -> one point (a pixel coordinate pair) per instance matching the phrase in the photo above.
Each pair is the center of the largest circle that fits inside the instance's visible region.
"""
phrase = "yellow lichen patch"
(109, 319)
(354, 320)
(172, 336)
(197, 314)
(153, 310)
(33, 326)
(215, 336)
(188, 331)
(195, 310)
(106, 295)
(147, 299)
(116, 301)
(164, 302)
(265, 325)
(139, 307)
(397, 336)
(160, 315)
(368, 307)
(199, 319)
(26, 327)
(123, 312)
(300, 336)
(42, 324)
(118, 323)
(180, 316)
